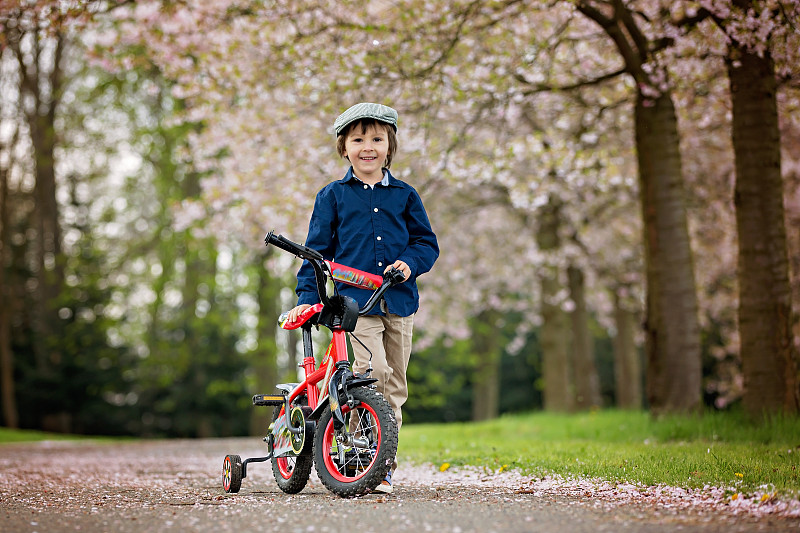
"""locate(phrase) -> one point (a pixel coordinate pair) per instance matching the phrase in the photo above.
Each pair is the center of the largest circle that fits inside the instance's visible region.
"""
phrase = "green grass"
(10, 436)
(23, 435)
(716, 449)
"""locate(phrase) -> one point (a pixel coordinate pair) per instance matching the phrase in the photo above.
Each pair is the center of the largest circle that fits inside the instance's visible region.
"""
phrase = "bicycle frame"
(336, 352)
(323, 385)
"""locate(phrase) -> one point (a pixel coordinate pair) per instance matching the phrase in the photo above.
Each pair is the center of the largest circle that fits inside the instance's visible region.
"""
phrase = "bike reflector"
(354, 277)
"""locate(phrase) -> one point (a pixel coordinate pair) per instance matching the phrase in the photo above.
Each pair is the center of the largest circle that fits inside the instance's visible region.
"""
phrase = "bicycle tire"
(354, 471)
(292, 472)
(232, 474)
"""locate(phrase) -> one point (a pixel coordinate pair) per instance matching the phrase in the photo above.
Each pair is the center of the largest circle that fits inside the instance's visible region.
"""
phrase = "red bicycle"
(335, 419)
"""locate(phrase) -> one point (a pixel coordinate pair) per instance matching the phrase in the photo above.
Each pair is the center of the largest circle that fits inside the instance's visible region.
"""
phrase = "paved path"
(175, 486)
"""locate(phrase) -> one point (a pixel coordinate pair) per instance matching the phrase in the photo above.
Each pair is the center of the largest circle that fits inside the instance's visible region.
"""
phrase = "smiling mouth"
(368, 158)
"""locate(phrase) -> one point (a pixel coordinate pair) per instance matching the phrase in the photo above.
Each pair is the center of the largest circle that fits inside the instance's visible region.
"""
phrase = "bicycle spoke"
(357, 459)
(366, 424)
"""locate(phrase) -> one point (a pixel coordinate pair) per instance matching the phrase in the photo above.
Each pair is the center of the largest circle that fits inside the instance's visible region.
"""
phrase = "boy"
(372, 221)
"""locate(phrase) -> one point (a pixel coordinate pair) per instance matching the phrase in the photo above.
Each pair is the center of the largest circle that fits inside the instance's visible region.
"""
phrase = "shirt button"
(379, 238)
(366, 186)
(376, 209)
(380, 264)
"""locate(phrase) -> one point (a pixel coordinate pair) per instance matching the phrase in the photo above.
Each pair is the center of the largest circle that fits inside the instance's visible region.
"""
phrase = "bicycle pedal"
(268, 399)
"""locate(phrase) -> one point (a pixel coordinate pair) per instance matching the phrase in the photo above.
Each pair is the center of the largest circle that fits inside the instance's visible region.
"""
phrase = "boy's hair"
(365, 123)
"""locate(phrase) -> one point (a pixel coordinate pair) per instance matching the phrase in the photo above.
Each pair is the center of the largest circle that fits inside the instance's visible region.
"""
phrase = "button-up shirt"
(369, 228)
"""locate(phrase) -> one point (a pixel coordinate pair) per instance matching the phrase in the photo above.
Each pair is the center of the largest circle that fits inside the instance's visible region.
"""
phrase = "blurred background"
(615, 186)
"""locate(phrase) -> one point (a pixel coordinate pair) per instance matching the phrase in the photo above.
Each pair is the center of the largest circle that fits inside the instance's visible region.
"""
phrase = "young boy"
(372, 221)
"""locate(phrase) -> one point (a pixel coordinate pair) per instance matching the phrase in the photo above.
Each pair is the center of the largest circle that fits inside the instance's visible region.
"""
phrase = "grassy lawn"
(717, 449)
(22, 435)
(9, 436)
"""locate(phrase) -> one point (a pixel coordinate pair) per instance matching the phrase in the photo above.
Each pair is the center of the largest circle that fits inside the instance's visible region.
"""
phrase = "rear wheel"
(292, 472)
(350, 469)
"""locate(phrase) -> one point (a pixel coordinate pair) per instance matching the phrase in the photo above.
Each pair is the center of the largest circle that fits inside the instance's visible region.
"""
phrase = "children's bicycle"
(335, 419)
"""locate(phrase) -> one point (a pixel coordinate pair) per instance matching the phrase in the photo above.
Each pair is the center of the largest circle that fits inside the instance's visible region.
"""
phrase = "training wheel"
(232, 473)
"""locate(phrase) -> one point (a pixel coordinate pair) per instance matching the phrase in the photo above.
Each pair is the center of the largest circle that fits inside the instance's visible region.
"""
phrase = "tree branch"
(541, 87)
(623, 14)
(692, 21)
(633, 60)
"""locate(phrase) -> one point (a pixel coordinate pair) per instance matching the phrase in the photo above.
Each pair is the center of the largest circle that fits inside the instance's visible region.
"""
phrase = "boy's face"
(367, 151)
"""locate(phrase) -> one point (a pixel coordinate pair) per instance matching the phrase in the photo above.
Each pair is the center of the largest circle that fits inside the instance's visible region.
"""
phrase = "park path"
(174, 485)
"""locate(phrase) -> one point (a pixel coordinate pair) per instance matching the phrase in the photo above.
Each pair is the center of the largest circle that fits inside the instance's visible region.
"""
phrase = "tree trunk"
(555, 335)
(769, 358)
(674, 371)
(43, 89)
(587, 379)
(264, 363)
(199, 268)
(10, 413)
(627, 363)
(487, 348)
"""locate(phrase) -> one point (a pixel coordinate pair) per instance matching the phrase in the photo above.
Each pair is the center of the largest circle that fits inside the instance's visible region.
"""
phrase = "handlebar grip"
(303, 252)
(394, 276)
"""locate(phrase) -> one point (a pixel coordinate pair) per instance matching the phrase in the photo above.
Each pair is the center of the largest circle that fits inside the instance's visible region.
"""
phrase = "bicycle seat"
(305, 316)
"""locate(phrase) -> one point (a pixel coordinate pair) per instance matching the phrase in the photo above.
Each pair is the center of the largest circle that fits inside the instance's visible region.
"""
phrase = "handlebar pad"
(353, 276)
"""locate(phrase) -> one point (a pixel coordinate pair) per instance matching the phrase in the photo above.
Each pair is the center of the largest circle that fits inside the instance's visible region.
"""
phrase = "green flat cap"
(366, 110)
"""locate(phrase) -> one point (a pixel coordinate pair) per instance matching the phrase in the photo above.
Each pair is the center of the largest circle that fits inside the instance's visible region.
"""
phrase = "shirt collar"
(387, 180)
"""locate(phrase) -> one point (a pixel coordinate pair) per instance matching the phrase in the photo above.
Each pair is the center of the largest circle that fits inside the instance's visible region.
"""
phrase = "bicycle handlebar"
(390, 278)
(303, 252)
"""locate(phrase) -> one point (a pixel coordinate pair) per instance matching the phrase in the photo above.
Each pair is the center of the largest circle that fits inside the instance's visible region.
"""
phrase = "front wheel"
(351, 469)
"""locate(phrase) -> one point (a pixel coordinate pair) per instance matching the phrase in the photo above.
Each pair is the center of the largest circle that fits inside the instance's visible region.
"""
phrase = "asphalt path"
(175, 485)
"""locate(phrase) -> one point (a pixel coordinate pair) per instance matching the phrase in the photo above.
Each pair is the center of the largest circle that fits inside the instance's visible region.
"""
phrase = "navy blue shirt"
(369, 228)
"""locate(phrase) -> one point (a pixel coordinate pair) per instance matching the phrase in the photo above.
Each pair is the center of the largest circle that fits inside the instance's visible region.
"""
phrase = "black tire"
(292, 473)
(232, 473)
(357, 470)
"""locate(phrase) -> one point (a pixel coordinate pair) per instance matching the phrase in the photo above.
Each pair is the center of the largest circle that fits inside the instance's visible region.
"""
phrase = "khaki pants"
(389, 340)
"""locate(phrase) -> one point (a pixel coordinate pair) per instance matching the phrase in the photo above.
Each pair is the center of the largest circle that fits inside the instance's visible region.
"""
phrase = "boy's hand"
(294, 313)
(402, 267)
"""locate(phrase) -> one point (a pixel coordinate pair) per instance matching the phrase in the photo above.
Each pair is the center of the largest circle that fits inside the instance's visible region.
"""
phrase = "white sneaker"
(386, 485)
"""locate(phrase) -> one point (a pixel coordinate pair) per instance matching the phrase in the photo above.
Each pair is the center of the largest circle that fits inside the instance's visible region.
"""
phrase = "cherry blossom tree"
(673, 335)
(759, 35)
(486, 120)
(448, 137)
